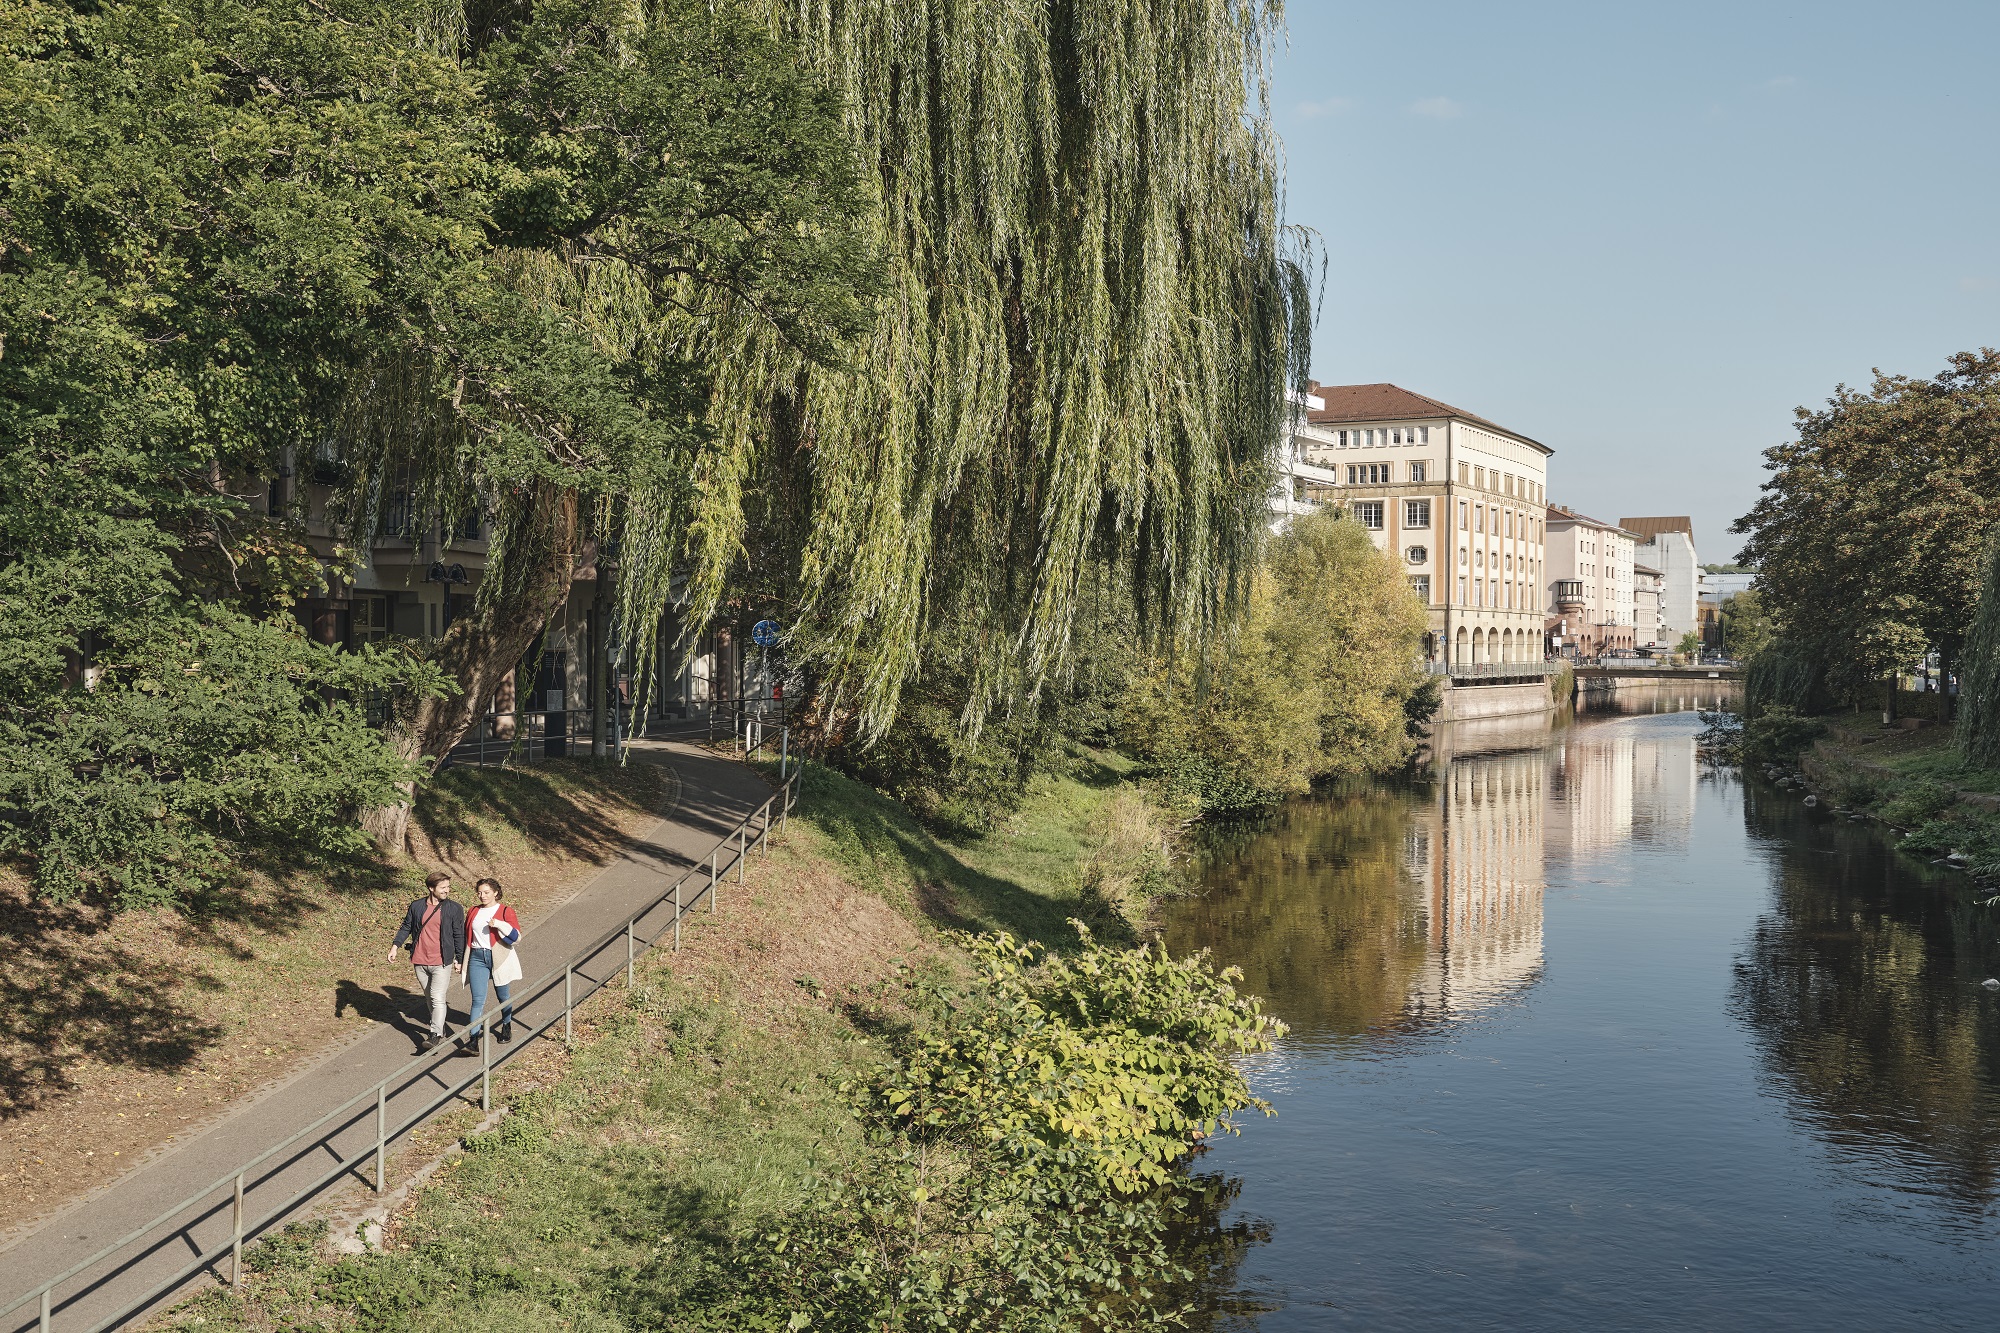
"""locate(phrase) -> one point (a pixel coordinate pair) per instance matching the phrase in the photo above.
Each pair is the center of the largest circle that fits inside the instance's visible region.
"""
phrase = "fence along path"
(152, 1235)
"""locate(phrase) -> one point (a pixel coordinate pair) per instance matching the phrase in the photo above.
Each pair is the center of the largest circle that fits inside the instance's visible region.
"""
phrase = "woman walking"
(492, 926)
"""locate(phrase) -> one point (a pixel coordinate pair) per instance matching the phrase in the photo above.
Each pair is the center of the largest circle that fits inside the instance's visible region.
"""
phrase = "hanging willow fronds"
(1092, 317)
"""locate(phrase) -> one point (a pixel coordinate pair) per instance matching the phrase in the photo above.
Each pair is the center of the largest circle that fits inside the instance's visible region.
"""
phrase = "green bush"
(1918, 803)
(1779, 735)
(1933, 837)
(1856, 791)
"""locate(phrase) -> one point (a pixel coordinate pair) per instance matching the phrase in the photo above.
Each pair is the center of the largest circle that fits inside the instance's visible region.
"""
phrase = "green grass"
(1923, 754)
(1082, 843)
(605, 1201)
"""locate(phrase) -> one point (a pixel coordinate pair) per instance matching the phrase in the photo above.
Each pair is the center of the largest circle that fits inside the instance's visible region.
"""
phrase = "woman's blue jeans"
(479, 971)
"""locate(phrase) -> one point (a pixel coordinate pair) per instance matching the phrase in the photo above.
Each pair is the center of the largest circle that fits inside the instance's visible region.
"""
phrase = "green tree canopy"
(1869, 535)
(1314, 685)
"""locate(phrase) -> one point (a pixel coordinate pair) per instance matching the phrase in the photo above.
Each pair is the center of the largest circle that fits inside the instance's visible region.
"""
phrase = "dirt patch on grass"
(119, 1033)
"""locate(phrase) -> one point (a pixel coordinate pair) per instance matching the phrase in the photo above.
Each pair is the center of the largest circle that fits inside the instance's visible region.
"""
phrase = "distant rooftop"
(1564, 514)
(1388, 402)
(1649, 528)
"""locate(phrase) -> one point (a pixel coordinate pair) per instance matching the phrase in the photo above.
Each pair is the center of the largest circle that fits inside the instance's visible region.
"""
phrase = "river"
(1587, 1034)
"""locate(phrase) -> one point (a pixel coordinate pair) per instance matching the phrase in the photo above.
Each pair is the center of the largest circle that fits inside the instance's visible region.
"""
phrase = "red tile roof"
(1388, 402)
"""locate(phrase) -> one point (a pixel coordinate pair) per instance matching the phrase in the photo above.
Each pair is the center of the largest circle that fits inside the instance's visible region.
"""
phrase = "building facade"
(1591, 609)
(1646, 606)
(1456, 498)
(1667, 544)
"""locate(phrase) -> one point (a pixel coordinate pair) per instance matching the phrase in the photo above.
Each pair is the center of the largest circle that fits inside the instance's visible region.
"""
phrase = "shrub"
(1778, 735)
(1920, 802)
(1933, 837)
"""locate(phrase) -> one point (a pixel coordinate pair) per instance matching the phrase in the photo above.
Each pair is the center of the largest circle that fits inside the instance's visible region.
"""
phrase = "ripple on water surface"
(1588, 1035)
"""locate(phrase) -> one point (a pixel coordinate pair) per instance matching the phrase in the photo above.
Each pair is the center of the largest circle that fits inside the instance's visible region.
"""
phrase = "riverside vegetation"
(830, 1113)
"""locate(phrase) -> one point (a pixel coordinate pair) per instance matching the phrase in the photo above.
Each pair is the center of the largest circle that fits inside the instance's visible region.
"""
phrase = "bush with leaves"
(1779, 735)
(1027, 1153)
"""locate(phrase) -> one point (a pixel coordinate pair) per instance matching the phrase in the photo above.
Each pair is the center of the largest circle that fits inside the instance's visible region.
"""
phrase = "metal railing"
(1487, 670)
(203, 1204)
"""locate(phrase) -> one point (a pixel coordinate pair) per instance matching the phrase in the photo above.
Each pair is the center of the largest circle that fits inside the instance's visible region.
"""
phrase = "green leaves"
(1028, 1151)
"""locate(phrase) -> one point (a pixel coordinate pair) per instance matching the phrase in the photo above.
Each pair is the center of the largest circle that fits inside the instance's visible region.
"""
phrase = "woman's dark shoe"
(507, 1031)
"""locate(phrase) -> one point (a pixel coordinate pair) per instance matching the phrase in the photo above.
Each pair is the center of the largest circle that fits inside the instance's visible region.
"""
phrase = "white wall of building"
(1672, 553)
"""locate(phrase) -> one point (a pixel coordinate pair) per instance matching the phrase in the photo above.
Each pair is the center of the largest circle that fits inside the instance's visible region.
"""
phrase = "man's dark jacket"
(451, 928)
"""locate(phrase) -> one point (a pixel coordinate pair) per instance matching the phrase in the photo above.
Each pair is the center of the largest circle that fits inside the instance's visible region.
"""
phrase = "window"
(1420, 472)
(1461, 590)
(1479, 518)
(368, 620)
(1416, 513)
(1395, 437)
(1479, 477)
(1343, 439)
(1367, 474)
(1369, 512)
(1465, 474)
(1421, 583)
(1416, 555)
(1464, 514)
(1424, 434)
(1479, 592)
(1463, 557)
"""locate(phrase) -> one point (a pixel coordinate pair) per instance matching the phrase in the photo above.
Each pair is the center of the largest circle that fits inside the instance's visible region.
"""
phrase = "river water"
(1586, 1034)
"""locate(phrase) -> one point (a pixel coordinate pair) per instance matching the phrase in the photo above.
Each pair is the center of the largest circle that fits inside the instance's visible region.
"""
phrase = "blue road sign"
(764, 633)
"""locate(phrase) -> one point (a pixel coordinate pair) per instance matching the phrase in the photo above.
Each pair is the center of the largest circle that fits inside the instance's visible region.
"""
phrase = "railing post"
(764, 830)
(677, 912)
(742, 842)
(45, 1310)
(485, 1063)
(236, 1243)
(569, 1003)
(713, 858)
(381, 1131)
(628, 955)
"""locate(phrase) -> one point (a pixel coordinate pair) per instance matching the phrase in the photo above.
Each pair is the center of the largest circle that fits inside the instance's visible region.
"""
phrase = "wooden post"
(236, 1243)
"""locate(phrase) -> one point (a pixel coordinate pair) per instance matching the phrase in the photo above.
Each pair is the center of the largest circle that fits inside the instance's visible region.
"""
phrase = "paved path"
(715, 794)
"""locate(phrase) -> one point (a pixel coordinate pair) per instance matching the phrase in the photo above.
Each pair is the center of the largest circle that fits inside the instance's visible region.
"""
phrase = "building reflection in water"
(1477, 853)
(1383, 909)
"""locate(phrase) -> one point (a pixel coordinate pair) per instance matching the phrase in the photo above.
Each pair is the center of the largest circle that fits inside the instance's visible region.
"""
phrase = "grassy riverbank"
(1934, 804)
(713, 1099)
(120, 1031)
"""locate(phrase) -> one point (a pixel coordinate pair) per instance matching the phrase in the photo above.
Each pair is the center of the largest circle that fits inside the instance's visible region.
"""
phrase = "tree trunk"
(541, 560)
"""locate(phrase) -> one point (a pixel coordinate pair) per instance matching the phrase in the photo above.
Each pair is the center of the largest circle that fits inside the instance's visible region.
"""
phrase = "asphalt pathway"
(716, 794)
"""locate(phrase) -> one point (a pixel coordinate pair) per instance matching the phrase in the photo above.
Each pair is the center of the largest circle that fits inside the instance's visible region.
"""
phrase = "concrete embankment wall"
(1465, 702)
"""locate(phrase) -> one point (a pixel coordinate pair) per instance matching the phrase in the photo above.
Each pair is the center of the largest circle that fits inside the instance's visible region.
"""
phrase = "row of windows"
(1506, 522)
(1503, 483)
(1507, 594)
(1379, 437)
(1381, 474)
(1416, 513)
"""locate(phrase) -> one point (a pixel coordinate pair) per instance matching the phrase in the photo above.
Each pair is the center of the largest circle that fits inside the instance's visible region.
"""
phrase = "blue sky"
(1644, 234)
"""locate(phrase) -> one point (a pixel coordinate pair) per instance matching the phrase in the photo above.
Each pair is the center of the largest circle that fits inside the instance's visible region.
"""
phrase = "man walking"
(435, 928)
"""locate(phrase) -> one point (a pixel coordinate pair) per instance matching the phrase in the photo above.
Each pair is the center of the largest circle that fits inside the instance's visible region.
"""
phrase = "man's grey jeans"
(434, 982)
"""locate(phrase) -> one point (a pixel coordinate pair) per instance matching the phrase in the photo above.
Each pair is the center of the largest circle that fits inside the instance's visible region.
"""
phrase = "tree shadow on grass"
(71, 994)
(874, 836)
(82, 987)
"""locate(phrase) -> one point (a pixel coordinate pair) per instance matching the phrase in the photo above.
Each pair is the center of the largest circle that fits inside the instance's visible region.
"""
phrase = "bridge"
(1636, 671)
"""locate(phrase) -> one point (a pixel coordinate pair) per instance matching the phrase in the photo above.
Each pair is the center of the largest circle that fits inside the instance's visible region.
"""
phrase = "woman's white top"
(481, 926)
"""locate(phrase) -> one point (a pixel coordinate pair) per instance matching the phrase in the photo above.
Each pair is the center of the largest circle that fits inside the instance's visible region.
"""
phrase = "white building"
(1646, 631)
(1589, 589)
(1667, 544)
(1458, 499)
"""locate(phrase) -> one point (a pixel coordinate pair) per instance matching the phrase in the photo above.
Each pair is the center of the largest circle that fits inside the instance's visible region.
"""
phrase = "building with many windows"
(1667, 544)
(1591, 609)
(1458, 499)
(1646, 607)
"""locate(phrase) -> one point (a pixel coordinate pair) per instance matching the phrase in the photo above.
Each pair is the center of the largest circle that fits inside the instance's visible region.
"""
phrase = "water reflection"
(1861, 987)
(1587, 1035)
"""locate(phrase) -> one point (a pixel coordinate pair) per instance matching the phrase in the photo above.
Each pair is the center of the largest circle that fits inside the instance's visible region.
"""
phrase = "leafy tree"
(197, 214)
(1978, 726)
(1091, 318)
(1690, 644)
(1859, 539)
(1313, 686)
(1746, 625)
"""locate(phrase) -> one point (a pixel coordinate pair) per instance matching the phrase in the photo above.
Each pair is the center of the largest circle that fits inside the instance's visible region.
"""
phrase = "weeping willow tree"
(989, 300)
(1091, 317)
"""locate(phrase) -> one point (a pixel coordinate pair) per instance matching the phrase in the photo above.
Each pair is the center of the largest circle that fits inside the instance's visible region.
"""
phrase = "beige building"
(1458, 499)
(1667, 544)
(1591, 607)
(1646, 631)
